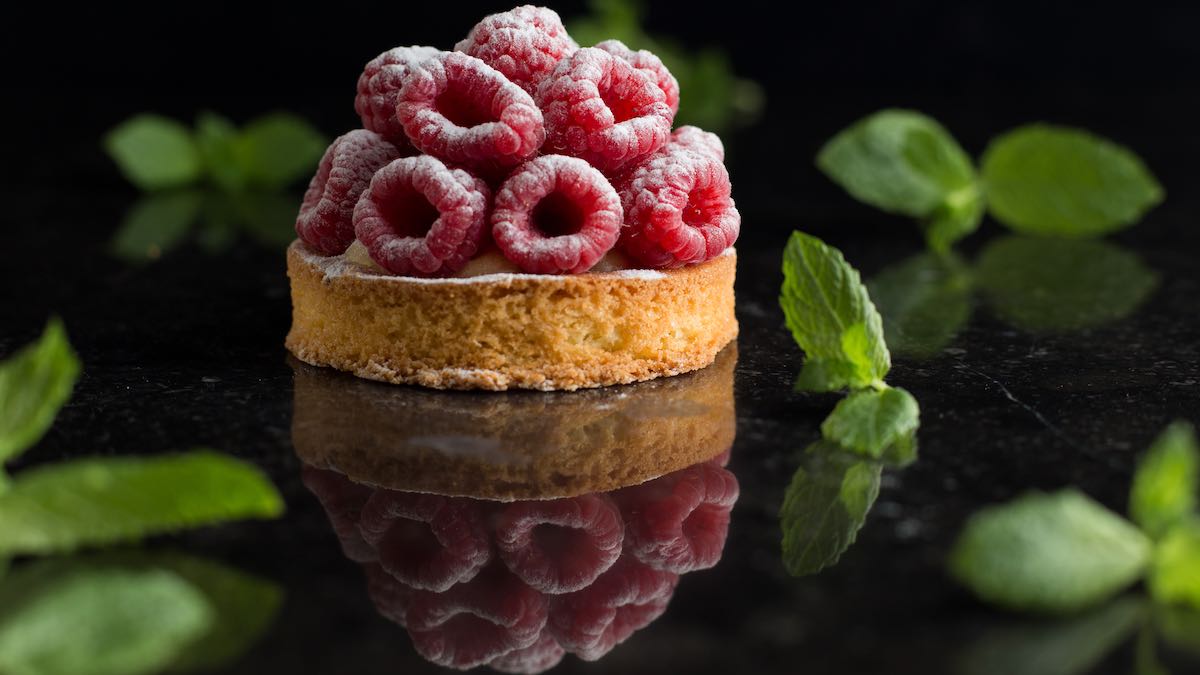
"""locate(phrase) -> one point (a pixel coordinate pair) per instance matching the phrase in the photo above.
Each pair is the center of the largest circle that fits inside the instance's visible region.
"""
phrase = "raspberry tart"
(516, 213)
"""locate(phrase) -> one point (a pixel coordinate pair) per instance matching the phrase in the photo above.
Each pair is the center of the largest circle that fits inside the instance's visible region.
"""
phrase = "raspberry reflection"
(518, 585)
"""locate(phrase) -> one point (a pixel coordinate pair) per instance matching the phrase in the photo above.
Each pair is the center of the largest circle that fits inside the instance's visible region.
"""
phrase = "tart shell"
(510, 331)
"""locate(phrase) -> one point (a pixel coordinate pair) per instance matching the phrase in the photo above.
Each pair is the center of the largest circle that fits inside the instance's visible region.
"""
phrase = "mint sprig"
(1037, 179)
(1063, 552)
(269, 153)
(831, 316)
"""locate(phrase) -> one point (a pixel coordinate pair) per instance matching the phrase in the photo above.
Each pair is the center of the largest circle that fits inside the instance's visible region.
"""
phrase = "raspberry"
(678, 523)
(601, 108)
(650, 64)
(421, 218)
(325, 219)
(476, 622)
(556, 214)
(677, 208)
(343, 501)
(561, 545)
(525, 44)
(390, 596)
(695, 138)
(536, 658)
(626, 598)
(426, 541)
(462, 110)
(379, 89)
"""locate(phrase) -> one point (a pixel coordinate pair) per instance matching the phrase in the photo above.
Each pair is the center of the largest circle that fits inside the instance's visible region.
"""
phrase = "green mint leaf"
(904, 162)
(1167, 480)
(1060, 285)
(243, 606)
(1057, 552)
(1065, 646)
(217, 141)
(1179, 627)
(268, 217)
(1175, 572)
(156, 224)
(831, 316)
(34, 384)
(61, 616)
(870, 421)
(817, 375)
(278, 149)
(825, 506)
(1050, 180)
(154, 152)
(69, 505)
(925, 302)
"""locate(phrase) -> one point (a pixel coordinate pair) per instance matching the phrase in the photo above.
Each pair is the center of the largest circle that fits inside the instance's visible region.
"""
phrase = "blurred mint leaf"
(278, 149)
(870, 421)
(35, 382)
(831, 317)
(155, 224)
(1175, 572)
(1061, 285)
(1167, 480)
(59, 617)
(154, 152)
(925, 301)
(1052, 553)
(217, 141)
(1179, 627)
(1065, 646)
(825, 506)
(904, 162)
(1051, 180)
(268, 217)
(243, 606)
(69, 505)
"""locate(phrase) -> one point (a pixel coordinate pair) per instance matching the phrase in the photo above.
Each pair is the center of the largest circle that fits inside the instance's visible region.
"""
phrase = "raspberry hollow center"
(461, 109)
(558, 541)
(623, 106)
(703, 207)
(557, 215)
(410, 213)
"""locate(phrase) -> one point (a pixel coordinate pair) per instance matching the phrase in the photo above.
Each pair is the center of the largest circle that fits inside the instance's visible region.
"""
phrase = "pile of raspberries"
(517, 585)
(520, 140)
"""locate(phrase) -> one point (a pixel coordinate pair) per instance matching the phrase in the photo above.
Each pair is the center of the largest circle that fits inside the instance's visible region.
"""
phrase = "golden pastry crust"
(504, 331)
(520, 445)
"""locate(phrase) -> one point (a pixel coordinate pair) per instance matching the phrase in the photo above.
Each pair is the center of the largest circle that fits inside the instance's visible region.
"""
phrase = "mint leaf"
(1067, 646)
(1059, 285)
(278, 149)
(268, 217)
(1056, 552)
(831, 316)
(1051, 180)
(243, 606)
(904, 162)
(1167, 480)
(925, 302)
(34, 384)
(65, 506)
(154, 152)
(60, 616)
(217, 141)
(156, 224)
(825, 506)
(1179, 627)
(1175, 572)
(869, 421)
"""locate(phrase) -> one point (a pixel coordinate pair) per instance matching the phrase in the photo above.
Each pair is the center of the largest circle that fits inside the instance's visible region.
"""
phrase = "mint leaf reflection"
(1054, 647)
(828, 500)
(155, 224)
(925, 301)
(1179, 627)
(825, 506)
(1060, 285)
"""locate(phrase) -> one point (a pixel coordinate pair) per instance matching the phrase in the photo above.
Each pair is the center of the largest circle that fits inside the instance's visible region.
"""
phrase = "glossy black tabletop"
(1065, 385)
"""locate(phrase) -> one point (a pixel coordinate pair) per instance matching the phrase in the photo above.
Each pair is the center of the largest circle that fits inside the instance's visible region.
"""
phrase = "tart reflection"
(561, 525)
